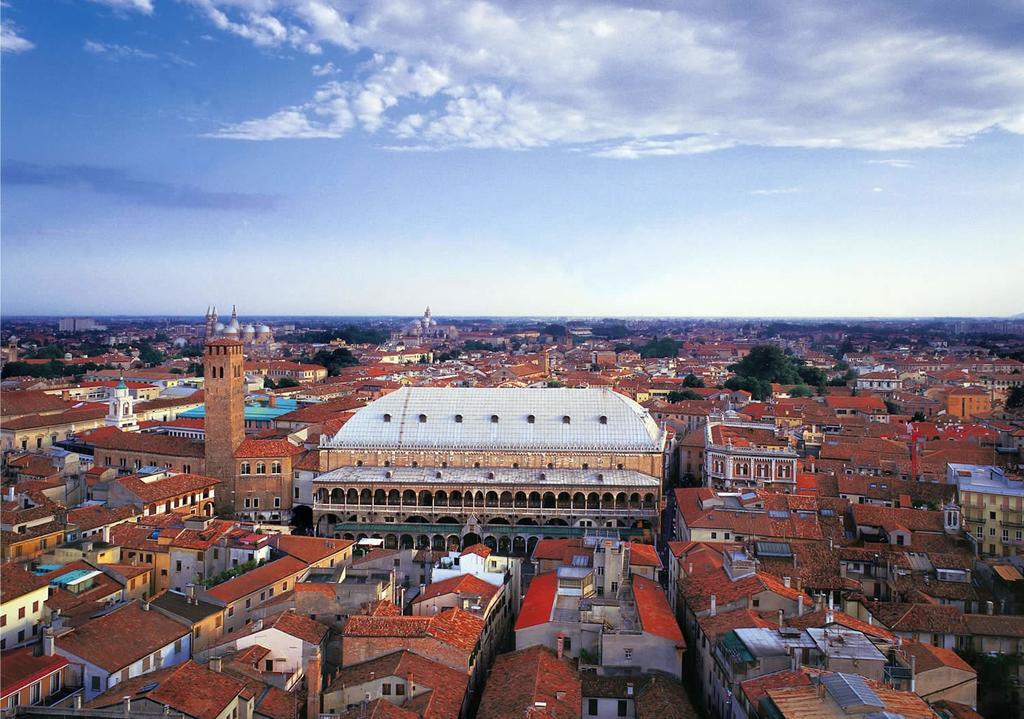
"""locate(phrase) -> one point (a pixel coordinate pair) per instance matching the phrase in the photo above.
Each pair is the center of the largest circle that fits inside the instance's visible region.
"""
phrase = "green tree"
(334, 360)
(664, 347)
(918, 417)
(769, 364)
(801, 390)
(681, 395)
(692, 380)
(1015, 400)
(287, 382)
(760, 389)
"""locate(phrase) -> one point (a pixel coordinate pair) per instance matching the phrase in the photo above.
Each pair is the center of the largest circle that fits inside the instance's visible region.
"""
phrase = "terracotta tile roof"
(643, 555)
(656, 616)
(757, 688)
(252, 448)
(31, 402)
(817, 619)
(931, 657)
(800, 702)
(662, 698)
(697, 590)
(21, 667)
(16, 582)
(98, 515)
(722, 622)
(898, 617)
(122, 637)
(80, 414)
(463, 584)
(179, 691)
(916, 520)
(165, 488)
(481, 550)
(995, 625)
(383, 608)
(454, 627)
(447, 686)
(519, 680)
(539, 599)
(379, 709)
(149, 443)
(256, 579)
(310, 549)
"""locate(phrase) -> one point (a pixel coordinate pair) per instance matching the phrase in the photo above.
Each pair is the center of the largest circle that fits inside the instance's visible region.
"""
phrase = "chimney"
(145, 606)
(48, 642)
(787, 582)
(560, 645)
(989, 606)
(913, 673)
(313, 684)
(800, 606)
(411, 685)
(77, 703)
(106, 534)
(257, 625)
(127, 706)
(831, 606)
(86, 546)
(10, 493)
(216, 664)
(829, 617)
(272, 402)
(794, 660)
(689, 569)
(190, 593)
(714, 605)
(780, 620)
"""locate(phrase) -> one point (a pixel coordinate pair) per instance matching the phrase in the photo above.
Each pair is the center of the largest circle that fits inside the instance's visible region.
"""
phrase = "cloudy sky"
(713, 157)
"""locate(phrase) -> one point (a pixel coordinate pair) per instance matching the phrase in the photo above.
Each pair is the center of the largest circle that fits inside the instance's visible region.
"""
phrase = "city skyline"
(529, 159)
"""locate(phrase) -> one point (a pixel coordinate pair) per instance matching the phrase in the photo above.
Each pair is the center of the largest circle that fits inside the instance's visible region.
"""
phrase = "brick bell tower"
(224, 381)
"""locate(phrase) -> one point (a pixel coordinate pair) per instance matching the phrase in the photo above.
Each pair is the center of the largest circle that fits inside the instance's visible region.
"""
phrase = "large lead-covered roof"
(482, 419)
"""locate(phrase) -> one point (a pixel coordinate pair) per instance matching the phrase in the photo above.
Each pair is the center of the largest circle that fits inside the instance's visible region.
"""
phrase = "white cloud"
(11, 41)
(891, 162)
(143, 6)
(116, 52)
(290, 123)
(328, 68)
(878, 189)
(629, 82)
(776, 191)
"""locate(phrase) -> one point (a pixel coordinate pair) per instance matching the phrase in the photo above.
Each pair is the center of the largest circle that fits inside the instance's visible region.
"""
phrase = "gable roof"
(522, 679)
(656, 616)
(461, 584)
(122, 637)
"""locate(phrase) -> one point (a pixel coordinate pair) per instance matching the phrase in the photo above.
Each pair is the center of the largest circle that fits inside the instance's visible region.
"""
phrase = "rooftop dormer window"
(530, 418)
(602, 419)
(494, 419)
(387, 418)
(423, 418)
(458, 419)
(566, 419)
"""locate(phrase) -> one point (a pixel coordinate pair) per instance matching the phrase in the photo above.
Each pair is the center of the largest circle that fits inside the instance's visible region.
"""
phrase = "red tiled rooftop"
(539, 599)
(656, 616)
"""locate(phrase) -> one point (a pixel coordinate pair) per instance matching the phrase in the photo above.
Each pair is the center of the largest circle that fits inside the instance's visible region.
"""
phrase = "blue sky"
(582, 158)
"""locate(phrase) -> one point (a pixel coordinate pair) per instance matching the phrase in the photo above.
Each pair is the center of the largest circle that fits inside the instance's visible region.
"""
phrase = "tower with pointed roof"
(121, 409)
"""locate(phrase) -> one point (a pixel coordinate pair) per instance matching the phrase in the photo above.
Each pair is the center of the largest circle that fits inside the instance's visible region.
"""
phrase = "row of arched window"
(504, 499)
